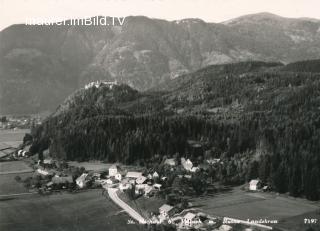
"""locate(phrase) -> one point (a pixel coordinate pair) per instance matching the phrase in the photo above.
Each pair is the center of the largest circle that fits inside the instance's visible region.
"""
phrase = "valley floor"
(22, 210)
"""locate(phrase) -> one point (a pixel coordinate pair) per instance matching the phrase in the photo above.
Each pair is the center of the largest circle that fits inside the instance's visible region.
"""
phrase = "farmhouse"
(113, 170)
(110, 181)
(82, 180)
(124, 186)
(254, 185)
(62, 180)
(141, 180)
(48, 161)
(118, 176)
(155, 175)
(170, 162)
(148, 190)
(43, 171)
(140, 189)
(133, 175)
(191, 219)
(187, 164)
(165, 211)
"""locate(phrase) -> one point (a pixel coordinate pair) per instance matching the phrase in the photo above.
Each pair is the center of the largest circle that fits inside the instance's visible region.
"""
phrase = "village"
(166, 190)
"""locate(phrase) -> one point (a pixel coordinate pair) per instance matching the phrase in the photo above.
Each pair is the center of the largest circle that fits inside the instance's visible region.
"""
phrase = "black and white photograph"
(159, 115)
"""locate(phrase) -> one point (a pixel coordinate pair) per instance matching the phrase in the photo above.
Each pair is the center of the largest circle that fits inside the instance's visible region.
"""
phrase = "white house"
(133, 175)
(187, 164)
(191, 219)
(82, 180)
(113, 170)
(22, 153)
(48, 161)
(254, 184)
(42, 171)
(165, 211)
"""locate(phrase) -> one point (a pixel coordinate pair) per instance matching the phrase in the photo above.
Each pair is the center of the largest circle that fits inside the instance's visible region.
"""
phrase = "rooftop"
(189, 216)
(134, 174)
(166, 208)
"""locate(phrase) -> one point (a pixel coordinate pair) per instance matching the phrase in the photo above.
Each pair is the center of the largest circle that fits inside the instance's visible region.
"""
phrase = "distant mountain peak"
(254, 17)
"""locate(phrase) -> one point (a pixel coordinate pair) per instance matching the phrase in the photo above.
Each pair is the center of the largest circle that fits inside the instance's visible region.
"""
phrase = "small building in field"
(191, 219)
(166, 211)
(254, 185)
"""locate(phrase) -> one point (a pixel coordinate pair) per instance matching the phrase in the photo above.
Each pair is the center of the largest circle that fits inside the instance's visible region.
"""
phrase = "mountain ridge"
(47, 63)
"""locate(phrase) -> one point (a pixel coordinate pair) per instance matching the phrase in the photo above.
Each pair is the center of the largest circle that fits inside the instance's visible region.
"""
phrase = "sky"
(17, 11)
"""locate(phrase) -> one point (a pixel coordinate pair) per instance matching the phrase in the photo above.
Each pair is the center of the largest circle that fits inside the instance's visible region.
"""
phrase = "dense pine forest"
(261, 119)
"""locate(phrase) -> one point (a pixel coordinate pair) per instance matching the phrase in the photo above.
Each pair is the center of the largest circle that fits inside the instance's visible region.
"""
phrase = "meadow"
(84, 211)
(248, 205)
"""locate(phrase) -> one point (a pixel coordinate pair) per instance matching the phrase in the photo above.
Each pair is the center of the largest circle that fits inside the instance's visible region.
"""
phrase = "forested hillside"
(262, 119)
(40, 65)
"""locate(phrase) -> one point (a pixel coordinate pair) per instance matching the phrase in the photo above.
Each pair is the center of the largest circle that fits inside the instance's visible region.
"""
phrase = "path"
(114, 196)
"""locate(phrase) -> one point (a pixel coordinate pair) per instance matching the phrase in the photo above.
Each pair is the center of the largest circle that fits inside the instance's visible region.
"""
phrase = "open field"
(99, 166)
(246, 205)
(11, 138)
(12, 135)
(8, 171)
(14, 167)
(295, 223)
(83, 211)
(8, 185)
